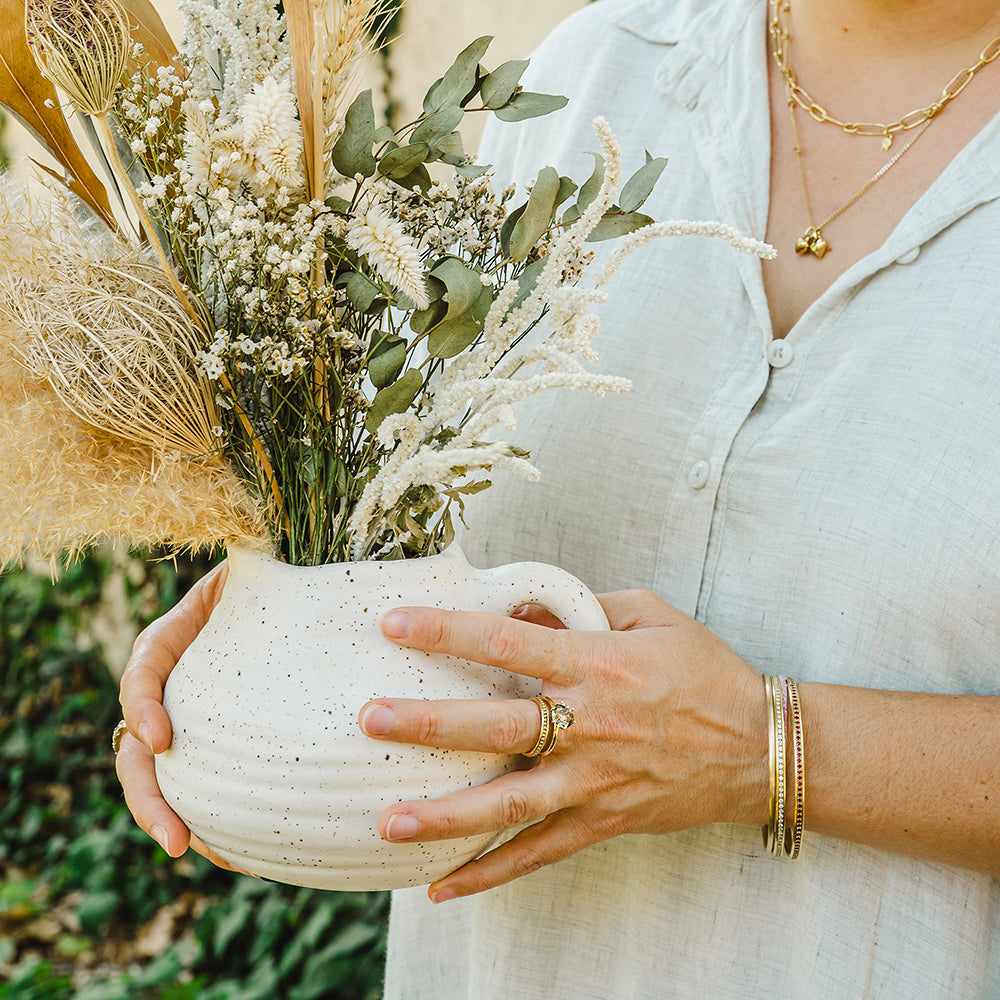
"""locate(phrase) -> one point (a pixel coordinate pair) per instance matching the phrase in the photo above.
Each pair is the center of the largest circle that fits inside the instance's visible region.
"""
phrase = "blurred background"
(90, 908)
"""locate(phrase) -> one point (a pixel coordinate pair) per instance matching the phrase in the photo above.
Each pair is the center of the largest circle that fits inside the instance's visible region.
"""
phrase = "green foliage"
(90, 908)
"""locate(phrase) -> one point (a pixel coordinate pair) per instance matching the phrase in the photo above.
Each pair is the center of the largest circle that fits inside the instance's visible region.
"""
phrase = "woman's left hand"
(670, 732)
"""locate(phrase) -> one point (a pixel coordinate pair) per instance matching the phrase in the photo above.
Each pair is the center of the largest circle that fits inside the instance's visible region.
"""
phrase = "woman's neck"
(914, 24)
(876, 59)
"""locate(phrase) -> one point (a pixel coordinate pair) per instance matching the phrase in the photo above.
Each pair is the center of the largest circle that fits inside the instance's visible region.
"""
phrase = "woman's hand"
(154, 655)
(670, 732)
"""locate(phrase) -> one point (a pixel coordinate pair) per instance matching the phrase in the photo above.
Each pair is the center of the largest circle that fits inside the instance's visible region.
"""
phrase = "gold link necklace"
(812, 240)
(915, 118)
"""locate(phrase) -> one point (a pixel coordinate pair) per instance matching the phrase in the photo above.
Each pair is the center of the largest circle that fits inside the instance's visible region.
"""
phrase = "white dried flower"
(384, 243)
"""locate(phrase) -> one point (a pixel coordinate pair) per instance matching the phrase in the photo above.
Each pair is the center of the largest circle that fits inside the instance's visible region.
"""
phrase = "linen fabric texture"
(834, 517)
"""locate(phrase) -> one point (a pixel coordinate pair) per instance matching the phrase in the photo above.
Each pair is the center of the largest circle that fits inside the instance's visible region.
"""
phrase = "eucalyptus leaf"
(387, 361)
(567, 188)
(439, 124)
(384, 133)
(454, 335)
(639, 186)
(458, 82)
(530, 105)
(537, 216)
(423, 320)
(401, 162)
(339, 205)
(499, 86)
(616, 224)
(471, 171)
(526, 282)
(352, 154)
(464, 284)
(362, 291)
(419, 178)
(508, 227)
(395, 398)
(592, 185)
(450, 149)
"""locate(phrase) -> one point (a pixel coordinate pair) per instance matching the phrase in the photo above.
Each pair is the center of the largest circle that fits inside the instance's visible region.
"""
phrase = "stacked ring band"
(553, 716)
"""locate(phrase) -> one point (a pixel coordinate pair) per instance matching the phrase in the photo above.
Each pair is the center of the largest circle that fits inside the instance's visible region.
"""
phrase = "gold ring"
(117, 736)
(545, 712)
(562, 717)
(554, 716)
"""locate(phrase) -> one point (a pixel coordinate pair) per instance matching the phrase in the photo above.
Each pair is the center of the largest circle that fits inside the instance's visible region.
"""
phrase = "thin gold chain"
(812, 241)
(913, 119)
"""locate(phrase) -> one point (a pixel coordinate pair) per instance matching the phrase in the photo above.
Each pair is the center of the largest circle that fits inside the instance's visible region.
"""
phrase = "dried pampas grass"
(64, 487)
(107, 432)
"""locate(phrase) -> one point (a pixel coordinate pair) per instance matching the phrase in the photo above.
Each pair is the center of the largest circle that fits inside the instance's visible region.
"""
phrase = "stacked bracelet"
(786, 762)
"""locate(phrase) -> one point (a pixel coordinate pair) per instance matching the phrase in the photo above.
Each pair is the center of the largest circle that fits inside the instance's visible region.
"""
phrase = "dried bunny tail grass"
(348, 28)
(117, 348)
(63, 488)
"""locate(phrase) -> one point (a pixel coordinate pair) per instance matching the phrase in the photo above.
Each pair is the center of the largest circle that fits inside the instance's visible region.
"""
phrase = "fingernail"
(443, 895)
(160, 836)
(402, 826)
(378, 720)
(145, 735)
(396, 624)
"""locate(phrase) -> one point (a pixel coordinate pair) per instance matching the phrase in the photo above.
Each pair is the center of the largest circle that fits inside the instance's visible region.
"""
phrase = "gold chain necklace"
(812, 240)
(913, 119)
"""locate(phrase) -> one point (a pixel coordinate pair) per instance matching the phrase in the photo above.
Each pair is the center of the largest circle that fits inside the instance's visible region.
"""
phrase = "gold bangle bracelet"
(782, 835)
(794, 830)
(781, 772)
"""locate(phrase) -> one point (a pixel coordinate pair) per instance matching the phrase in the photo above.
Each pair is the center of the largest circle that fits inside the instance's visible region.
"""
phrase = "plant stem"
(200, 320)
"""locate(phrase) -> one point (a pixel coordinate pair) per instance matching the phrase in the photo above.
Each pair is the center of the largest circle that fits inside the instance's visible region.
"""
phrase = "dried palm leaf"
(148, 29)
(306, 44)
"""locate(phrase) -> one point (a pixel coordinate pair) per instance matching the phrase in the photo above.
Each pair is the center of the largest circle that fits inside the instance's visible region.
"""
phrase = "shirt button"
(698, 475)
(780, 353)
(910, 256)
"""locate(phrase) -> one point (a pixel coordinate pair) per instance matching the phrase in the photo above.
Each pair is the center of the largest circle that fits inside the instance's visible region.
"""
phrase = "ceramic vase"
(268, 764)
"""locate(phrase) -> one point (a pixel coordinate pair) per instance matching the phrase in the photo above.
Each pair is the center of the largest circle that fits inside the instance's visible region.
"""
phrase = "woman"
(808, 467)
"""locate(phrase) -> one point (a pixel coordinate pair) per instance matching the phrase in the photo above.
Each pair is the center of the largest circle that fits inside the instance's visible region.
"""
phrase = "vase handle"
(539, 583)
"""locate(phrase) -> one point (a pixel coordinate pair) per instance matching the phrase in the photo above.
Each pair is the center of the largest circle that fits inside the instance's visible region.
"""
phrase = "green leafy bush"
(90, 908)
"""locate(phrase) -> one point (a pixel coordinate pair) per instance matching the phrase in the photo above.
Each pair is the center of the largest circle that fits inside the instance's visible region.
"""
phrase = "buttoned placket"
(727, 133)
(737, 180)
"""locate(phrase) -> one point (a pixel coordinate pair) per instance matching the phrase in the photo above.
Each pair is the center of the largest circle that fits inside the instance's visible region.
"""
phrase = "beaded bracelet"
(786, 765)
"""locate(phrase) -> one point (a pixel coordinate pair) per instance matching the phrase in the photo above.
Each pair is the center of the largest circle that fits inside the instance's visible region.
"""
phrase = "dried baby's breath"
(328, 336)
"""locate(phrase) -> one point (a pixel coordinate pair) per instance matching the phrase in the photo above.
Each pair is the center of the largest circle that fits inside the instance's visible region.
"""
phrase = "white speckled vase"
(268, 764)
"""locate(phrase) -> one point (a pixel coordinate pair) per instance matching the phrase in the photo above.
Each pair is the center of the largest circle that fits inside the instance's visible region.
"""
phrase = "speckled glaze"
(268, 764)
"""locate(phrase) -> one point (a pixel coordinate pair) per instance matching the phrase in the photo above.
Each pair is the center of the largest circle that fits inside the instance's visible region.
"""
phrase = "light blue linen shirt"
(830, 507)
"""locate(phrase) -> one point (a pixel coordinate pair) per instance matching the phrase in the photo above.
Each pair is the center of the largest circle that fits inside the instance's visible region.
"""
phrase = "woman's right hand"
(154, 655)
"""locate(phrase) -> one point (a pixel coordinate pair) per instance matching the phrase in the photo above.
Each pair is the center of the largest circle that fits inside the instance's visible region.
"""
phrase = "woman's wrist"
(746, 800)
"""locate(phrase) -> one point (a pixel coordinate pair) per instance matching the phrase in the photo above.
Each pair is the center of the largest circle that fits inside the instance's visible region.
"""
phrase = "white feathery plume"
(389, 249)
(681, 227)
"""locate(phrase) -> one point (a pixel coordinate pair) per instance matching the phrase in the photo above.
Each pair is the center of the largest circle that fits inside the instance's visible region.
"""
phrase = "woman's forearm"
(913, 773)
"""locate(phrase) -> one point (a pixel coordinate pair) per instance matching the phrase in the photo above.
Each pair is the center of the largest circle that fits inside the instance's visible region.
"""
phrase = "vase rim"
(246, 556)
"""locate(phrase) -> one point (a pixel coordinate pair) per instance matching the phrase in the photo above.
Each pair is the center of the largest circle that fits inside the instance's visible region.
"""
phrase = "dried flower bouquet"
(273, 323)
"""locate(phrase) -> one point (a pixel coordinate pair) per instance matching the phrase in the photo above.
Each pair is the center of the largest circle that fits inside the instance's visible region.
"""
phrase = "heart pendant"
(811, 241)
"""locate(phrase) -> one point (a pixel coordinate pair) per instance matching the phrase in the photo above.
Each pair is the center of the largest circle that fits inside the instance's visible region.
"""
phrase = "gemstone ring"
(553, 717)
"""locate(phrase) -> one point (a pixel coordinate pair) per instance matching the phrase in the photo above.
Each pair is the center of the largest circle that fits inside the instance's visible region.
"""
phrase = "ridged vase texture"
(268, 764)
